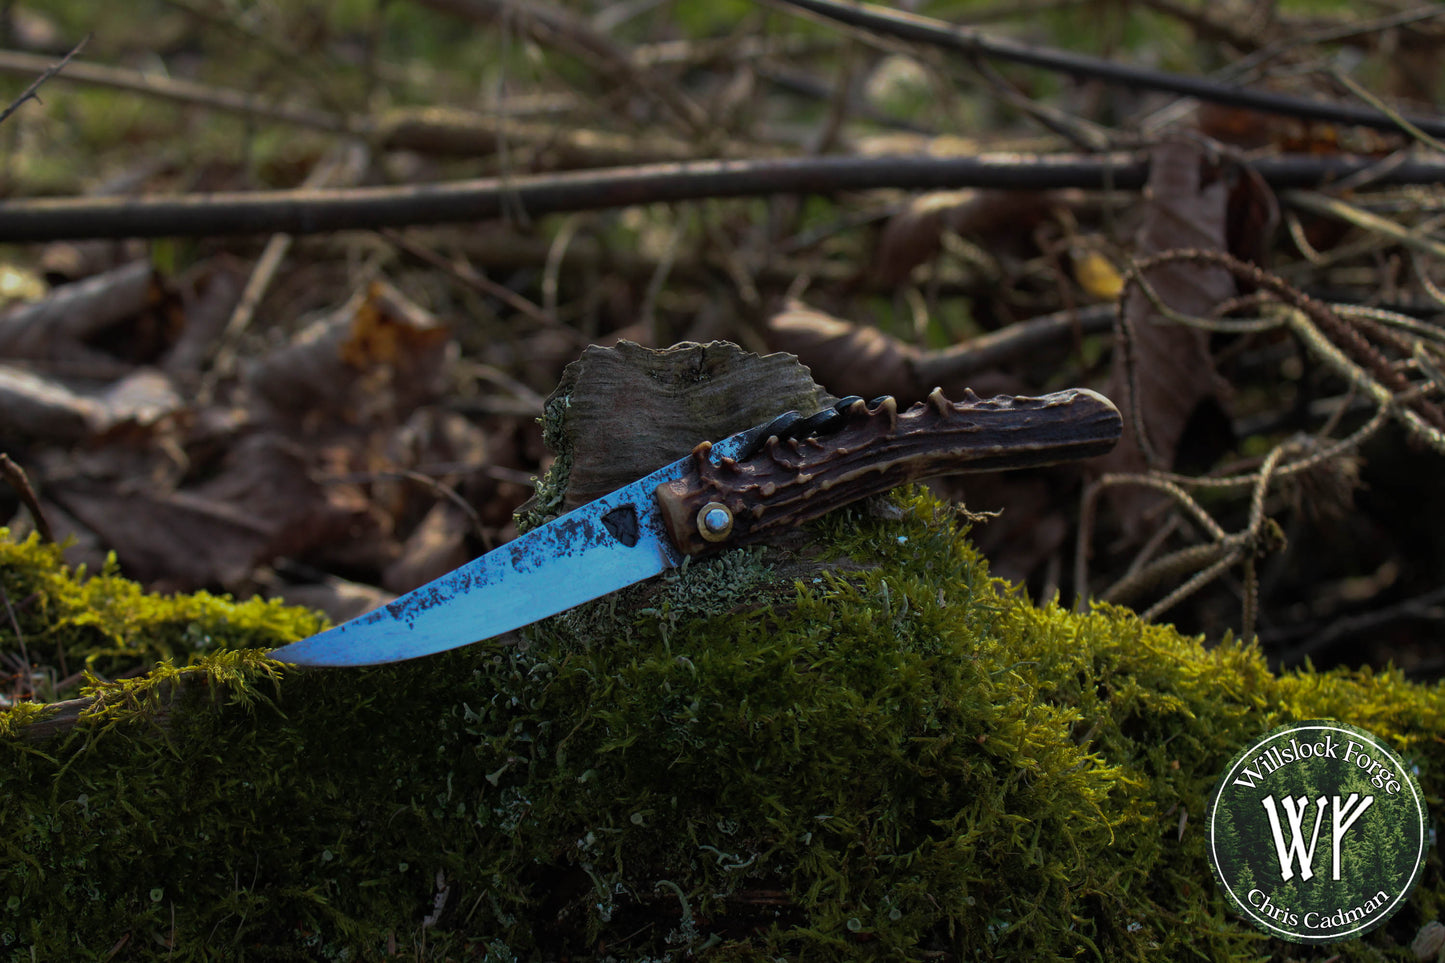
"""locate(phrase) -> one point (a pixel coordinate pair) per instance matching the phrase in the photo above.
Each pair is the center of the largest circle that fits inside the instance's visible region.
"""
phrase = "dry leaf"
(260, 505)
(142, 398)
(41, 408)
(340, 599)
(433, 549)
(173, 541)
(277, 482)
(1097, 275)
(1171, 364)
(378, 355)
(122, 313)
(996, 220)
(207, 302)
(34, 407)
(847, 359)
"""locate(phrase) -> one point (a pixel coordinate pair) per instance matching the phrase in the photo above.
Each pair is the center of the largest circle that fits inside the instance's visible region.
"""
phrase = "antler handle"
(794, 481)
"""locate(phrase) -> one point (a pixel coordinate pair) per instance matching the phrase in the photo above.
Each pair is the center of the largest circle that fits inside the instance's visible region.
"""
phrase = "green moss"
(109, 625)
(893, 757)
(551, 488)
(738, 580)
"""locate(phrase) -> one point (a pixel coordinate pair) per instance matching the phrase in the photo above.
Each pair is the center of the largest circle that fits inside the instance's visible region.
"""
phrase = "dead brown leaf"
(845, 358)
(1163, 371)
(852, 359)
(34, 407)
(434, 547)
(38, 408)
(339, 598)
(125, 313)
(261, 504)
(176, 541)
(996, 220)
(378, 355)
(143, 399)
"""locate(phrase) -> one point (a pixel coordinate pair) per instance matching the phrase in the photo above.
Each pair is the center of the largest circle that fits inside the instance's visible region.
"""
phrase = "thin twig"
(345, 160)
(556, 26)
(1230, 554)
(283, 56)
(1088, 509)
(465, 274)
(26, 667)
(435, 485)
(33, 91)
(1333, 207)
(184, 92)
(1353, 348)
(1188, 561)
(1079, 132)
(1333, 33)
(1421, 329)
(18, 480)
(1401, 121)
(1318, 638)
(1344, 346)
(1312, 460)
(1007, 345)
(1168, 487)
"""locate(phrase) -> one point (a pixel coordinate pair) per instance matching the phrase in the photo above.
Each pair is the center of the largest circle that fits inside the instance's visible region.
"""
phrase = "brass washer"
(712, 532)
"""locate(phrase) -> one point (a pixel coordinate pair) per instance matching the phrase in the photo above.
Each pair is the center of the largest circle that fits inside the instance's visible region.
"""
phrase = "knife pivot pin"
(714, 521)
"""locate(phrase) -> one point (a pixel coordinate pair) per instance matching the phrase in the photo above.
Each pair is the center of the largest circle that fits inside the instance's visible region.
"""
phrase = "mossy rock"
(874, 753)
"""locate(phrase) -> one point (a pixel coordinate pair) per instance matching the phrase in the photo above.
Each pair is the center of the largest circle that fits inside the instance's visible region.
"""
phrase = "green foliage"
(894, 755)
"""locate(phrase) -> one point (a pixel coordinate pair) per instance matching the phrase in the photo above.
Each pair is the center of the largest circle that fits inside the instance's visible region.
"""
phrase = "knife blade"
(740, 490)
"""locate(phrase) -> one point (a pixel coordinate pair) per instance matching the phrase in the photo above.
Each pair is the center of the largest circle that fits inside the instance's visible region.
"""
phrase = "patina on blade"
(599, 548)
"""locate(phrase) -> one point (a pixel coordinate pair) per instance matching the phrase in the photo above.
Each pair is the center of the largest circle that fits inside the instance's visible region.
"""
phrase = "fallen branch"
(946, 36)
(369, 208)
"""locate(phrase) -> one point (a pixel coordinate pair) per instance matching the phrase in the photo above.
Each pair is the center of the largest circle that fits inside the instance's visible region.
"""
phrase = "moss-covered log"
(881, 753)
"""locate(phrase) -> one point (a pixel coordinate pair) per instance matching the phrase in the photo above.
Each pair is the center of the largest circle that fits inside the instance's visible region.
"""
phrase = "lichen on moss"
(888, 755)
(736, 580)
(551, 488)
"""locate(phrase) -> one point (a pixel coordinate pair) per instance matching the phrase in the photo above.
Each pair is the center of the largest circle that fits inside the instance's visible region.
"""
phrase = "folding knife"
(740, 490)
